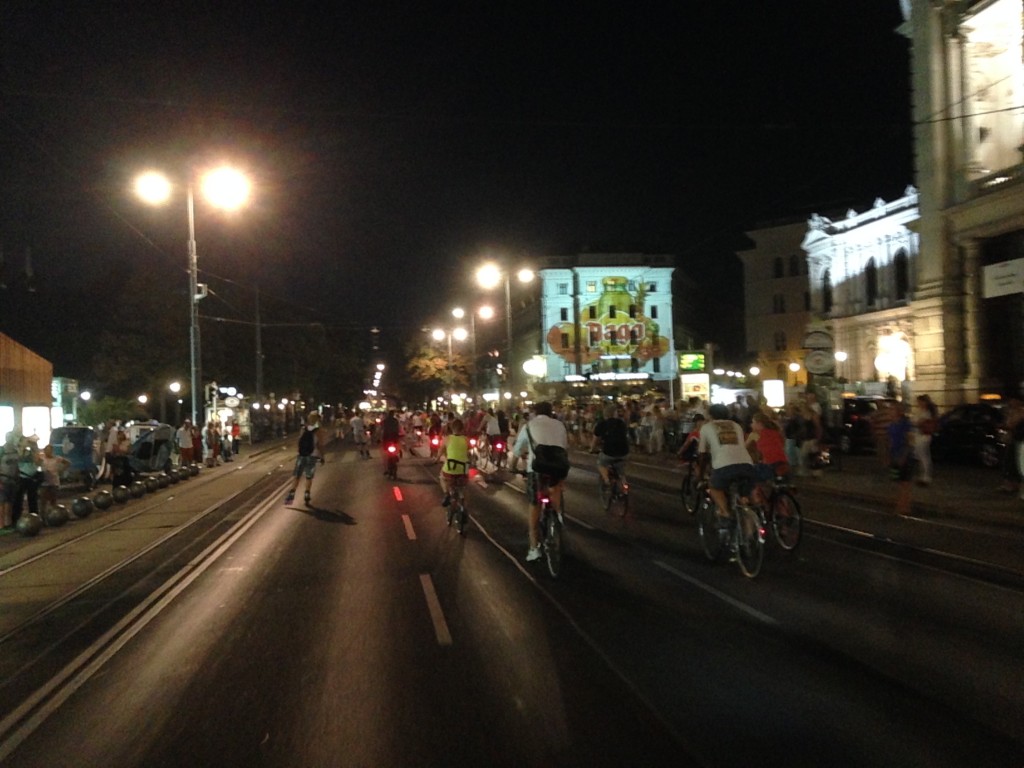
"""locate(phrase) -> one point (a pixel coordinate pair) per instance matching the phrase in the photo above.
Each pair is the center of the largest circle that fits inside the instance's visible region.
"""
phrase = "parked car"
(971, 433)
(850, 425)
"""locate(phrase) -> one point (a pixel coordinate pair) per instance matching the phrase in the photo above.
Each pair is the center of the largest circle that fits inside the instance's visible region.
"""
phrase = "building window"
(652, 287)
(902, 265)
(826, 291)
(779, 304)
(563, 314)
(654, 313)
(780, 341)
(595, 337)
(871, 282)
(591, 286)
(779, 270)
(565, 341)
(632, 336)
(780, 371)
(592, 311)
(563, 289)
(632, 311)
(634, 365)
(611, 312)
(656, 364)
(794, 266)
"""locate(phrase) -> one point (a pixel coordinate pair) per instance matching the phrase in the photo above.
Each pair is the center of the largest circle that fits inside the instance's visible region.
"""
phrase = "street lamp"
(489, 276)
(439, 334)
(224, 188)
(485, 312)
(795, 368)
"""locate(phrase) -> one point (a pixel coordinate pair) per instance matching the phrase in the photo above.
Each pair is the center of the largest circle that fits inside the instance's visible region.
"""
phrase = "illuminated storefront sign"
(691, 361)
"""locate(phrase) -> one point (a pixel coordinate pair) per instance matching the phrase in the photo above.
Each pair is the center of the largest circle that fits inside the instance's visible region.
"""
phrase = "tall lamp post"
(486, 313)
(225, 188)
(489, 276)
(460, 334)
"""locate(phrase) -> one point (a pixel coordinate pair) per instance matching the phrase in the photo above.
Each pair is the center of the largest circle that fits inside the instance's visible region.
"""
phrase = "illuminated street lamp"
(485, 312)
(840, 356)
(224, 188)
(489, 276)
(459, 334)
(795, 368)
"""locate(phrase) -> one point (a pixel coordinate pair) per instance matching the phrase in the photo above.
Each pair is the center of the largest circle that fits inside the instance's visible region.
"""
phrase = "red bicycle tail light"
(392, 448)
(499, 446)
(545, 500)
(472, 442)
(434, 441)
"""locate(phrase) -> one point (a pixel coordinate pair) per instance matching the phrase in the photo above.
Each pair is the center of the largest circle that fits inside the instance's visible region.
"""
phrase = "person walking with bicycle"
(722, 438)
(541, 430)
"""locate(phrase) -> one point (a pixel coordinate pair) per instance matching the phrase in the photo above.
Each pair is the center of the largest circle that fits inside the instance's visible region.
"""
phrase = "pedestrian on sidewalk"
(53, 468)
(901, 456)
(926, 421)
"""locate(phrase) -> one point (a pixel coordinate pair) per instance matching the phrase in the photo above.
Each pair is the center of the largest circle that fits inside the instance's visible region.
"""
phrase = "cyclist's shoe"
(446, 500)
(533, 554)
(290, 497)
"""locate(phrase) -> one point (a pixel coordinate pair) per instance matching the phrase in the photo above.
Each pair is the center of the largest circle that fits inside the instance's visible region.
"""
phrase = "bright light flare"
(153, 187)
(437, 334)
(460, 334)
(486, 312)
(525, 275)
(226, 188)
(488, 276)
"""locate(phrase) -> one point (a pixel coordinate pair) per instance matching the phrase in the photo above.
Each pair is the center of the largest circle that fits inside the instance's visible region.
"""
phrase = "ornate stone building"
(968, 112)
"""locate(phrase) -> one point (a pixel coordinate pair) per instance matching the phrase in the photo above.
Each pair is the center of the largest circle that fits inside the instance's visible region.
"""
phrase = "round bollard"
(137, 489)
(193, 469)
(152, 485)
(184, 473)
(57, 515)
(120, 493)
(30, 525)
(163, 479)
(81, 507)
(104, 499)
(172, 476)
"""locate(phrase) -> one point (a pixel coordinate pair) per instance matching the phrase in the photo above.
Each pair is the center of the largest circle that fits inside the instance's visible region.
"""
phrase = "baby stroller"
(78, 446)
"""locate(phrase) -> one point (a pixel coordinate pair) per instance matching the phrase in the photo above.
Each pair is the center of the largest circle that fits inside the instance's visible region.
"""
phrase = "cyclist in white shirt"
(542, 429)
(730, 461)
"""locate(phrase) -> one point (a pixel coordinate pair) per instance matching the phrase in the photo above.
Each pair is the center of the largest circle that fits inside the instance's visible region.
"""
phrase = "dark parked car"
(850, 425)
(971, 433)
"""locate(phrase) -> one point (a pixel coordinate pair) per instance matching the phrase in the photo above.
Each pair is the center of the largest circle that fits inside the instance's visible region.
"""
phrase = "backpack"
(550, 460)
(307, 441)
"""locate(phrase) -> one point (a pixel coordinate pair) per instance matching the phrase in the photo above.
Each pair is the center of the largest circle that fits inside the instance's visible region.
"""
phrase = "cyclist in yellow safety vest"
(454, 459)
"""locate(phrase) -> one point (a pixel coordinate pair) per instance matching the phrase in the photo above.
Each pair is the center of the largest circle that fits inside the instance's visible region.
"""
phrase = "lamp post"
(840, 356)
(225, 188)
(489, 276)
(486, 313)
(460, 334)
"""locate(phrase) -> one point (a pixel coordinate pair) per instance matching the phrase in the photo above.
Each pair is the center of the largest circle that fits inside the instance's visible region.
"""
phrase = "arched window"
(902, 265)
(826, 291)
(780, 270)
(871, 282)
(794, 266)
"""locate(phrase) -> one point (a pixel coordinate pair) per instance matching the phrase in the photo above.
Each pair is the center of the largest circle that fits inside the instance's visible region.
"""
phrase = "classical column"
(973, 352)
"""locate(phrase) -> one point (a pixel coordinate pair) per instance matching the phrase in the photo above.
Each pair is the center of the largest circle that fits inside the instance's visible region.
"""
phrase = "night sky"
(393, 144)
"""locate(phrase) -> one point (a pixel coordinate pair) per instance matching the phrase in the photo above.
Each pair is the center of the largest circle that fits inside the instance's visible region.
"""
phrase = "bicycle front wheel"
(787, 522)
(749, 541)
(690, 493)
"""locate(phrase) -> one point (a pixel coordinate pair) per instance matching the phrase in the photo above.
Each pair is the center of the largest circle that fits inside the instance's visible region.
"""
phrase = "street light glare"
(226, 188)
(460, 334)
(488, 276)
(153, 187)
(525, 275)
(458, 313)
(437, 334)
(486, 312)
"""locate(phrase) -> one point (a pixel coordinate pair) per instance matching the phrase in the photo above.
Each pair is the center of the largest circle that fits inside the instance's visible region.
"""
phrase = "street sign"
(1003, 279)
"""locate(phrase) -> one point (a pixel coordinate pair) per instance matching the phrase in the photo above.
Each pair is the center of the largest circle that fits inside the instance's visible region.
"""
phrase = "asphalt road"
(362, 631)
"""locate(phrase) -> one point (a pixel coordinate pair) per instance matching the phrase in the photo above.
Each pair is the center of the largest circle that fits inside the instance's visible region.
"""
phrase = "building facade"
(968, 112)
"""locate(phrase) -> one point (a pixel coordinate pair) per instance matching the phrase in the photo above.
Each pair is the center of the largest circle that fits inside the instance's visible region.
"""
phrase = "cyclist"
(359, 434)
(722, 438)
(311, 453)
(542, 429)
(455, 460)
(767, 444)
(611, 438)
(390, 434)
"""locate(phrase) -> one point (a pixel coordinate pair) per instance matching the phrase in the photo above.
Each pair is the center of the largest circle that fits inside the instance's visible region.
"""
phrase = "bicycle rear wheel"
(552, 543)
(460, 518)
(787, 521)
(712, 535)
(605, 493)
(749, 539)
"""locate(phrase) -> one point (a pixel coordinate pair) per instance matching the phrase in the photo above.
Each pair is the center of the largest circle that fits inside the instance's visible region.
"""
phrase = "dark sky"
(394, 143)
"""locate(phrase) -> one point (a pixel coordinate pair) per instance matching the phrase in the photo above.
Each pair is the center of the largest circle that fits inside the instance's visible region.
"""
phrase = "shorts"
(766, 472)
(305, 465)
(604, 460)
(533, 485)
(722, 477)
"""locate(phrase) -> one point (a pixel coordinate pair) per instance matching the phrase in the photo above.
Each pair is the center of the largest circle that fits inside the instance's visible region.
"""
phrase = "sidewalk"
(966, 493)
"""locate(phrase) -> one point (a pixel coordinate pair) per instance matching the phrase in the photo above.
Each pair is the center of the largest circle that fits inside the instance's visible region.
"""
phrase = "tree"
(427, 363)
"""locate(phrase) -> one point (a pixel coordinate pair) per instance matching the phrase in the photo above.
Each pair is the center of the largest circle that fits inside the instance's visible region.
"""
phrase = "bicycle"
(782, 514)
(550, 527)
(616, 489)
(742, 534)
(457, 514)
